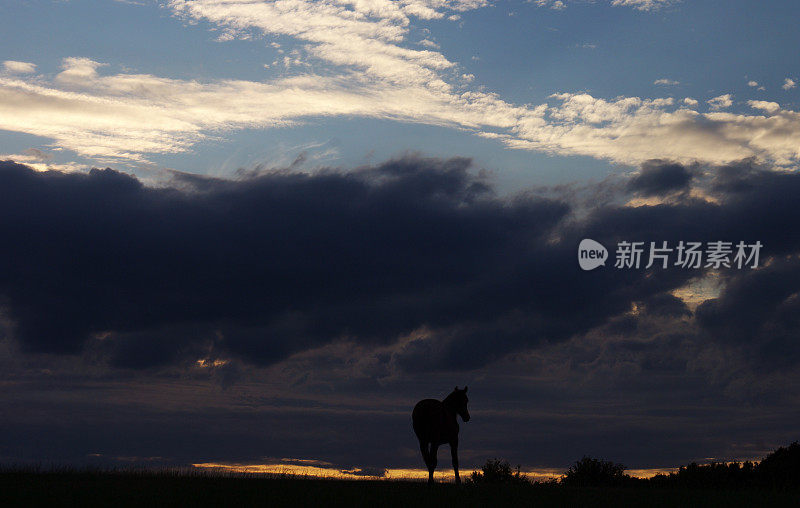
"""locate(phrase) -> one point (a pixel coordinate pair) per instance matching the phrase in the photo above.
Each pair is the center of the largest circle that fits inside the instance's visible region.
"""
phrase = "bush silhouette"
(498, 471)
(780, 470)
(589, 472)
(717, 475)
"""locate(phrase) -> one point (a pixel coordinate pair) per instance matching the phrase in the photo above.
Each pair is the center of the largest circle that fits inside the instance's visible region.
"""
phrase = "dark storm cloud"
(666, 305)
(338, 266)
(262, 267)
(761, 311)
(659, 177)
(280, 262)
(756, 308)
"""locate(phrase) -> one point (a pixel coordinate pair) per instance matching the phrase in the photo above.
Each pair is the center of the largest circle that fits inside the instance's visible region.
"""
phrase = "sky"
(255, 233)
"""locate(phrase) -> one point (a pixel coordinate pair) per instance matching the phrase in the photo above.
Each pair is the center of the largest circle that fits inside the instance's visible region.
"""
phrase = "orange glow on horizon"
(320, 471)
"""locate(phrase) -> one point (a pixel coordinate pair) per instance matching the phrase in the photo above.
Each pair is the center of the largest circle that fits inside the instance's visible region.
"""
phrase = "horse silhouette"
(435, 424)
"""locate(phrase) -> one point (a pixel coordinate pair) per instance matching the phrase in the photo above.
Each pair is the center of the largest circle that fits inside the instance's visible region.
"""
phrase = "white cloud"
(355, 62)
(642, 5)
(788, 84)
(632, 130)
(358, 34)
(134, 115)
(14, 67)
(752, 83)
(553, 4)
(39, 161)
(665, 81)
(78, 69)
(721, 102)
(769, 107)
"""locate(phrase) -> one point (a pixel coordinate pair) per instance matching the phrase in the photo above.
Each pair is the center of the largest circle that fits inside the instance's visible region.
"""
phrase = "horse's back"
(426, 407)
(427, 418)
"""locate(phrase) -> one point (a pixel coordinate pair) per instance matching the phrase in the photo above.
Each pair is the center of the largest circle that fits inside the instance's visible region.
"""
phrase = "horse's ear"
(455, 389)
(465, 388)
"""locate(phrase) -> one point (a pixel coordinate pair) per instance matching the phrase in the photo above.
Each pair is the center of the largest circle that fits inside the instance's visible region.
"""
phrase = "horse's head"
(458, 400)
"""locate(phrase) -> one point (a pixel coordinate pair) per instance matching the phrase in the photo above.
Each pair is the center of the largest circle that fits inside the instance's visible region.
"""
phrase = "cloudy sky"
(257, 232)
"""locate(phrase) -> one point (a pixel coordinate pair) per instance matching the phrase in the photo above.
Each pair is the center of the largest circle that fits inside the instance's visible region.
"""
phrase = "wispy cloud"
(14, 67)
(788, 84)
(665, 81)
(132, 115)
(642, 5)
(354, 62)
(552, 4)
(129, 115)
(628, 129)
(367, 36)
(41, 161)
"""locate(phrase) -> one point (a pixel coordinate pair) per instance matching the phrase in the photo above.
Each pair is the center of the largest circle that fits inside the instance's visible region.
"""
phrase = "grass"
(85, 488)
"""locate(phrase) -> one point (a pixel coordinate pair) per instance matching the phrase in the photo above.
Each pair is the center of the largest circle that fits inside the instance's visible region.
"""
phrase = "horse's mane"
(450, 399)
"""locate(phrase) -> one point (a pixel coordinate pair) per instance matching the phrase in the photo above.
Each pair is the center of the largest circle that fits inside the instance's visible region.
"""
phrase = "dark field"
(112, 489)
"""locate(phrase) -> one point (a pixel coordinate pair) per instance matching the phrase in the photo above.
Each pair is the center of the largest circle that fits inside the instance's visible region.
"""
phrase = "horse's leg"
(454, 455)
(423, 447)
(432, 461)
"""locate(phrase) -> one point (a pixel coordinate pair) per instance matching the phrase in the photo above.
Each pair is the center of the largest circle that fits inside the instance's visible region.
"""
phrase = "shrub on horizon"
(498, 471)
(589, 472)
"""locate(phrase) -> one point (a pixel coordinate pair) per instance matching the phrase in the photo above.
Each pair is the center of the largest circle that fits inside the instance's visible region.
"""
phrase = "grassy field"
(73, 488)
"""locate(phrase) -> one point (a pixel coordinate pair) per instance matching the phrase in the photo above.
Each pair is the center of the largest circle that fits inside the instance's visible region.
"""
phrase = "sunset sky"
(241, 232)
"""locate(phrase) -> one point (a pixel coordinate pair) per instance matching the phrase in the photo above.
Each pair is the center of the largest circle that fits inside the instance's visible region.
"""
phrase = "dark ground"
(76, 488)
